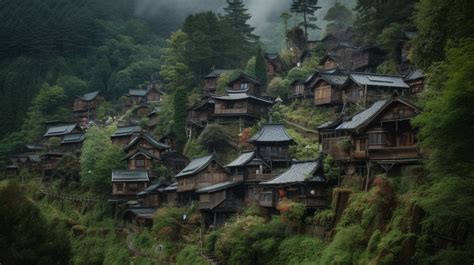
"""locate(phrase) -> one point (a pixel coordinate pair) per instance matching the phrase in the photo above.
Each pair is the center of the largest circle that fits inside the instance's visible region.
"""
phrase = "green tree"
(174, 70)
(307, 8)
(278, 87)
(260, 66)
(216, 139)
(339, 17)
(250, 67)
(180, 100)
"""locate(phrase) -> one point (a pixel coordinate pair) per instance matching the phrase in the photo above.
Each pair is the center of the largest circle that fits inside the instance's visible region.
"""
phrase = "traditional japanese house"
(144, 153)
(240, 108)
(12, 170)
(367, 59)
(31, 162)
(86, 105)
(220, 201)
(139, 96)
(299, 90)
(153, 195)
(174, 161)
(72, 143)
(123, 135)
(171, 194)
(138, 218)
(273, 64)
(366, 88)
(170, 140)
(200, 173)
(60, 131)
(303, 182)
(153, 118)
(328, 89)
(210, 80)
(245, 84)
(416, 81)
(381, 134)
(272, 143)
(330, 61)
(49, 161)
(252, 170)
(126, 184)
(198, 116)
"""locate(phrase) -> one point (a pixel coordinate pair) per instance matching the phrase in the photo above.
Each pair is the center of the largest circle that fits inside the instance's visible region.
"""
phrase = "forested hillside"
(162, 167)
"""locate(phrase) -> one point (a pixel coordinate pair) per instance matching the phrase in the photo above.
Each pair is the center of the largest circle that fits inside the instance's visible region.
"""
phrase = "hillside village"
(323, 152)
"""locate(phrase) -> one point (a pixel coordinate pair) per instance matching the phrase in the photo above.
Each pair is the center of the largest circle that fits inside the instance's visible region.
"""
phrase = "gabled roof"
(367, 115)
(129, 175)
(142, 152)
(329, 124)
(156, 187)
(271, 55)
(298, 172)
(196, 165)
(60, 130)
(126, 131)
(137, 92)
(370, 79)
(417, 74)
(172, 187)
(271, 133)
(219, 186)
(149, 138)
(216, 73)
(247, 78)
(331, 56)
(242, 159)
(333, 79)
(240, 96)
(73, 138)
(146, 213)
(89, 96)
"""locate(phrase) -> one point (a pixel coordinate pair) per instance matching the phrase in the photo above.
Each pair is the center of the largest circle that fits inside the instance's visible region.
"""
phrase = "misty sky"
(168, 15)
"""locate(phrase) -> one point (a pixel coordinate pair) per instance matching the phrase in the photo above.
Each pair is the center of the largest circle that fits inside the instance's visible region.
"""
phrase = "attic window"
(244, 86)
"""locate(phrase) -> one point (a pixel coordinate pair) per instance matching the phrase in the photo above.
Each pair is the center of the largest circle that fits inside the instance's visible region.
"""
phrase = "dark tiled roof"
(126, 131)
(216, 73)
(246, 77)
(60, 130)
(369, 79)
(329, 124)
(271, 55)
(149, 138)
(73, 138)
(137, 92)
(219, 186)
(242, 160)
(334, 79)
(417, 74)
(362, 116)
(171, 187)
(196, 165)
(89, 96)
(142, 212)
(143, 152)
(156, 187)
(299, 172)
(240, 96)
(34, 147)
(129, 175)
(271, 133)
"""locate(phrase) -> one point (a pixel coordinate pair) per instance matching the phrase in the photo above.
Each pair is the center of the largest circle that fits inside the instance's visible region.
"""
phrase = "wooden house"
(49, 161)
(245, 84)
(123, 135)
(87, 104)
(210, 80)
(198, 116)
(60, 131)
(174, 161)
(331, 61)
(367, 59)
(240, 108)
(416, 82)
(72, 143)
(381, 134)
(366, 88)
(220, 201)
(139, 96)
(138, 218)
(144, 153)
(12, 170)
(170, 140)
(273, 64)
(29, 161)
(303, 182)
(328, 89)
(272, 145)
(153, 118)
(126, 184)
(251, 169)
(300, 90)
(199, 173)
(153, 195)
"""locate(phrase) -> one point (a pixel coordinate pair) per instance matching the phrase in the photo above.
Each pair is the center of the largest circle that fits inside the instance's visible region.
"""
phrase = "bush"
(190, 255)
(346, 247)
(291, 213)
(299, 249)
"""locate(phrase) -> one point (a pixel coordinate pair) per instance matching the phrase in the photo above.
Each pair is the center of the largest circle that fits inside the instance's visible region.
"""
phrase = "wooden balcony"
(261, 177)
(394, 153)
(240, 111)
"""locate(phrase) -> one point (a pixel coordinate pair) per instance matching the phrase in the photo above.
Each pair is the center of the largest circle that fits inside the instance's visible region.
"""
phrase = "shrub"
(346, 247)
(190, 255)
(299, 249)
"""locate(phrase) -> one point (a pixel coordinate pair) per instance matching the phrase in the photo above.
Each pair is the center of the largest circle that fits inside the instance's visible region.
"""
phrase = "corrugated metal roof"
(362, 116)
(127, 130)
(271, 133)
(298, 172)
(73, 138)
(129, 175)
(219, 186)
(196, 165)
(369, 79)
(60, 130)
(242, 160)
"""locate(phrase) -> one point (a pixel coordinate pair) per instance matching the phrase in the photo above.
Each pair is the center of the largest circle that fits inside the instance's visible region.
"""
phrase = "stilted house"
(303, 182)
(367, 88)
(153, 196)
(72, 143)
(272, 145)
(382, 134)
(49, 161)
(416, 81)
(210, 80)
(85, 106)
(273, 64)
(240, 108)
(300, 90)
(123, 135)
(198, 116)
(200, 173)
(220, 201)
(126, 184)
(328, 89)
(245, 84)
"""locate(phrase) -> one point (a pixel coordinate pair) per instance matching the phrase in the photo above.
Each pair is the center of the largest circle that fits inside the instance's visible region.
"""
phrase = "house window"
(133, 187)
(140, 163)
(377, 139)
(229, 105)
(244, 86)
(119, 186)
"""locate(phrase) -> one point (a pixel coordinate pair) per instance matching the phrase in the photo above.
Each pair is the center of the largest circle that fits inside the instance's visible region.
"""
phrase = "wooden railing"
(398, 152)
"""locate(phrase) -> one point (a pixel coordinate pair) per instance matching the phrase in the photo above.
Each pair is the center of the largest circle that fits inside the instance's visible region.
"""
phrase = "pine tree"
(260, 67)
(180, 102)
(307, 8)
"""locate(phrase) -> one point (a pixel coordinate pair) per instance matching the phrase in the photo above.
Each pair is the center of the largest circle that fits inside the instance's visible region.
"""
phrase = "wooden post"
(365, 96)
(215, 220)
(369, 165)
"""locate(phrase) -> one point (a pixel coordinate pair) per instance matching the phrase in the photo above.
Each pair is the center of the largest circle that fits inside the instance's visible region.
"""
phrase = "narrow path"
(68, 197)
(301, 128)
